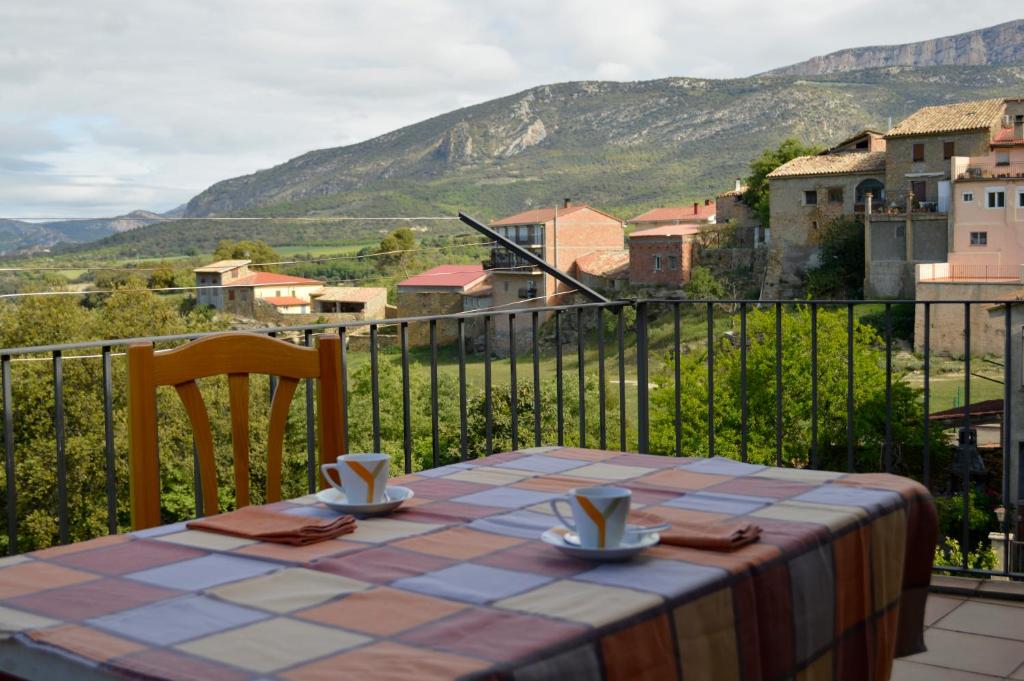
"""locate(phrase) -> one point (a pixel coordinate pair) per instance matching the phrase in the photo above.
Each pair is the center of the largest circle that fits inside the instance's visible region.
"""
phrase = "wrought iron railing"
(629, 356)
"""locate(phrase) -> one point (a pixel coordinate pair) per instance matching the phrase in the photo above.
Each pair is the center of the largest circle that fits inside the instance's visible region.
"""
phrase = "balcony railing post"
(744, 407)
(815, 460)
(1007, 427)
(374, 388)
(778, 384)
(312, 470)
(849, 388)
(888, 389)
(403, 333)
(620, 332)
(601, 380)
(535, 337)
(435, 440)
(9, 471)
(513, 395)
(560, 414)
(965, 460)
(581, 377)
(62, 462)
(642, 392)
(108, 440)
(463, 420)
(677, 379)
(711, 379)
(926, 474)
(488, 398)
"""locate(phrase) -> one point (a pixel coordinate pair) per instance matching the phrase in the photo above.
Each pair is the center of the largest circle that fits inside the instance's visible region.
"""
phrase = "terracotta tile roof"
(697, 213)
(273, 279)
(539, 216)
(447, 276)
(666, 230)
(604, 263)
(285, 301)
(950, 118)
(833, 164)
(221, 266)
(349, 294)
(734, 192)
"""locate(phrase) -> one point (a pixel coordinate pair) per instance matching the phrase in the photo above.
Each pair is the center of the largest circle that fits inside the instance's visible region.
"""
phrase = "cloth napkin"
(262, 524)
(723, 536)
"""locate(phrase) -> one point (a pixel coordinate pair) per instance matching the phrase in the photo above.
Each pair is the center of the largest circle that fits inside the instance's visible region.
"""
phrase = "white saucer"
(631, 545)
(394, 497)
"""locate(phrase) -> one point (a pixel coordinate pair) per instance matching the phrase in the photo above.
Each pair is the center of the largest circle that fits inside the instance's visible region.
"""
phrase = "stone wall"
(947, 321)
(430, 303)
(889, 274)
(899, 162)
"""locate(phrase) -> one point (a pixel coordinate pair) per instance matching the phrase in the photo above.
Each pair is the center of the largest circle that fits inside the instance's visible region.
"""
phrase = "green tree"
(756, 195)
(396, 246)
(840, 272)
(256, 251)
(703, 285)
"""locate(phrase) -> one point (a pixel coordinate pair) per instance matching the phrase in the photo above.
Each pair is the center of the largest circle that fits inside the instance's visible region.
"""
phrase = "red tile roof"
(272, 279)
(666, 230)
(604, 263)
(285, 301)
(444, 276)
(536, 216)
(689, 213)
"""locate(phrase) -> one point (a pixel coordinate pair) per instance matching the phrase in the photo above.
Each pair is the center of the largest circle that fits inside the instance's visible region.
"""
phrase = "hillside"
(995, 45)
(27, 237)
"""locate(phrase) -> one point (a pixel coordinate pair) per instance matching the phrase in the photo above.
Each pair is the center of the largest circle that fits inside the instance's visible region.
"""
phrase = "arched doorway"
(877, 190)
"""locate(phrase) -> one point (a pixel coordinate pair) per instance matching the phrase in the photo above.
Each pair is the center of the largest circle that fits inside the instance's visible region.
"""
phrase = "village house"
(230, 285)
(355, 302)
(732, 211)
(664, 241)
(986, 243)
(604, 270)
(561, 235)
(445, 289)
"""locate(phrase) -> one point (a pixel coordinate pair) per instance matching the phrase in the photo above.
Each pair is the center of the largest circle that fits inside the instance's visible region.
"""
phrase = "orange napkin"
(724, 536)
(261, 524)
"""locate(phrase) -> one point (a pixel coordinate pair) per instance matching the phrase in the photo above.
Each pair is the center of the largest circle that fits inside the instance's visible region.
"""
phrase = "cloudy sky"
(111, 105)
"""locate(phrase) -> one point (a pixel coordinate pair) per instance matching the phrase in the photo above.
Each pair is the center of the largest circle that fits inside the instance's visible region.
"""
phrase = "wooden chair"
(237, 355)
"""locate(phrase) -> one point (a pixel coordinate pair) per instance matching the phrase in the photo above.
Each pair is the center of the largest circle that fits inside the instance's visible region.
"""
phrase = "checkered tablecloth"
(458, 585)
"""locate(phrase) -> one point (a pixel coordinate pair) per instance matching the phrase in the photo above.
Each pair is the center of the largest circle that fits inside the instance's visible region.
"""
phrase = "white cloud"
(111, 105)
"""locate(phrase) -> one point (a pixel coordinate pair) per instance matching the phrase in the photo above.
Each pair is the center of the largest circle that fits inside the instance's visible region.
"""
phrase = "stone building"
(234, 288)
(806, 194)
(561, 235)
(355, 302)
(748, 232)
(442, 290)
(663, 256)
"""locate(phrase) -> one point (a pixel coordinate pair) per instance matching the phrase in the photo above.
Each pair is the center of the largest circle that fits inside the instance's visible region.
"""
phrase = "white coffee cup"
(364, 477)
(599, 514)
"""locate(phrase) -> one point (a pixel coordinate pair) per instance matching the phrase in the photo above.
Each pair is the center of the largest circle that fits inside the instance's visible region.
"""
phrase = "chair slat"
(143, 462)
(238, 390)
(236, 352)
(195, 407)
(275, 439)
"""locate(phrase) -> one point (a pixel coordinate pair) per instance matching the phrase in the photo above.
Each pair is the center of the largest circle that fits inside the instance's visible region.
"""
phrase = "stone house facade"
(730, 208)
(234, 288)
(442, 290)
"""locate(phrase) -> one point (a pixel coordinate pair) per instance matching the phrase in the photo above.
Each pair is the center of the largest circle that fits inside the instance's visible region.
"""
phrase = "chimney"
(566, 203)
(696, 207)
(739, 184)
(707, 202)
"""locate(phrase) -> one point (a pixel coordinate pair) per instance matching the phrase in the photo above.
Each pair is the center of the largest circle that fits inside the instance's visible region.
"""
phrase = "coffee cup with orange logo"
(364, 477)
(598, 515)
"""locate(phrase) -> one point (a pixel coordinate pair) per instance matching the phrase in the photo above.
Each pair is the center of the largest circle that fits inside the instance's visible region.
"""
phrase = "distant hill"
(19, 236)
(996, 45)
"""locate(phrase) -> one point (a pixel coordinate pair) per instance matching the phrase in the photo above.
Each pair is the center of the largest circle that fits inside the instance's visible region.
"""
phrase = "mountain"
(19, 236)
(621, 146)
(1002, 44)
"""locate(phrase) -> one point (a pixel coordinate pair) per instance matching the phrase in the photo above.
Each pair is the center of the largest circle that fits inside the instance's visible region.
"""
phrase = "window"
(231, 294)
(1020, 198)
(948, 150)
(862, 144)
(835, 194)
(979, 238)
(673, 262)
(814, 225)
(995, 198)
(811, 197)
(968, 197)
(1002, 158)
(918, 153)
(277, 294)
(657, 263)
(919, 189)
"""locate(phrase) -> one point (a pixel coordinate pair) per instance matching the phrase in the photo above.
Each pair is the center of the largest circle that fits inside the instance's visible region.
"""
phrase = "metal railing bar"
(558, 379)
(403, 332)
(887, 451)
(535, 337)
(926, 474)
(488, 399)
(61, 442)
(1007, 428)
(815, 456)
(677, 379)
(602, 425)
(344, 382)
(778, 384)
(513, 395)
(9, 470)
(642, 386)
(965, 460)
(108, 441)
(711, 379)
(849, 388)
(463, 416)
(620, 330)
(374, 389)
(435, 438)
(581, 377)
(744, 406)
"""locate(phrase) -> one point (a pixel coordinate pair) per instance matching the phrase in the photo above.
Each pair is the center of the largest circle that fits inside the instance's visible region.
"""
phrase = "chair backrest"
(235, 354)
